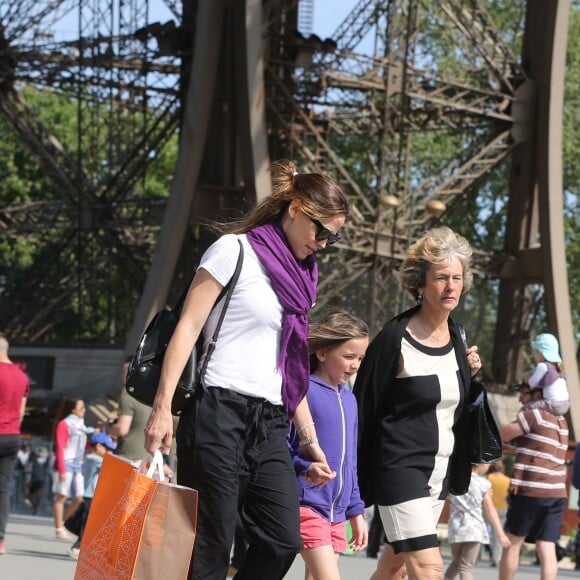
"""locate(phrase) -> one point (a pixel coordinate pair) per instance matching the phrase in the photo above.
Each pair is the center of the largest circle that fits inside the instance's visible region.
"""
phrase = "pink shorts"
(316, 531)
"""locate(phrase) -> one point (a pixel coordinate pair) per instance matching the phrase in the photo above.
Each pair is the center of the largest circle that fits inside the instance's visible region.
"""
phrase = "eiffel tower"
(236, 85)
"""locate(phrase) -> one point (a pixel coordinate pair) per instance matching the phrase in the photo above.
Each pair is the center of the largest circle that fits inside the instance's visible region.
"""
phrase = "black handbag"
(145, 367)
(486, 444)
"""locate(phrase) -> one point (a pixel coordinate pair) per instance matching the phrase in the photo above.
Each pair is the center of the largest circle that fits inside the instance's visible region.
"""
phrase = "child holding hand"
(337, 343)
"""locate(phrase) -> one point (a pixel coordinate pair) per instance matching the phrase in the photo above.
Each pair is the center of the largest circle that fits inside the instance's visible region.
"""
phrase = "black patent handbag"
(145, 367)
(486, 444)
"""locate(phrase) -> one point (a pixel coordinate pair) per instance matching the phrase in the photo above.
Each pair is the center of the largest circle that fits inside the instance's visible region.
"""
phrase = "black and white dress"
(420, 440)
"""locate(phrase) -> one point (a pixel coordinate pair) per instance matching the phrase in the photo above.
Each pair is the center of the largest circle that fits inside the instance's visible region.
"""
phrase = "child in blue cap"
(548, 376)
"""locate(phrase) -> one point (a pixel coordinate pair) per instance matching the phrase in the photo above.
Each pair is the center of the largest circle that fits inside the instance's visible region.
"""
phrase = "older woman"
(411, 389)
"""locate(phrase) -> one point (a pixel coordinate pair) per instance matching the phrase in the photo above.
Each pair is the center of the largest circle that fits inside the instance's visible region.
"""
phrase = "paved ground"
(34, 554)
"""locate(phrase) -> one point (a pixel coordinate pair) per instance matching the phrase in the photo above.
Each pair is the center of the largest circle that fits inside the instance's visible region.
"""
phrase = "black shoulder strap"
(180, 301)
(229, 290)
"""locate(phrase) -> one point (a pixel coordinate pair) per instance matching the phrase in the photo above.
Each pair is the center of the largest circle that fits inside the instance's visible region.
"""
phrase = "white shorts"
(72, 486)
(412, 525)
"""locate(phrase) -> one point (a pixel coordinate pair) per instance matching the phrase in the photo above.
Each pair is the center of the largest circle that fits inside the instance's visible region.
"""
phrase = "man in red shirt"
(14, 388)
(538, 485)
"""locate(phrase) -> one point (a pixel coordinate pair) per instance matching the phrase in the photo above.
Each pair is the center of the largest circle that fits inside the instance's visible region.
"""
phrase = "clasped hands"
(319, 472)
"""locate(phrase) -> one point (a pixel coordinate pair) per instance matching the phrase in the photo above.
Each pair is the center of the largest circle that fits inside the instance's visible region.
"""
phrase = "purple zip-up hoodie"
(334, 412)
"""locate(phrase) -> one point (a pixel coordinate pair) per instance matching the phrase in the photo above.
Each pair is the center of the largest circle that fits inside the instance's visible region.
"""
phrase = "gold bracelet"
(308, 441)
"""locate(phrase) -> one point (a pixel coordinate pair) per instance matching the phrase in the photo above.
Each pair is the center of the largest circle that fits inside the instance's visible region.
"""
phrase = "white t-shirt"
(247, 350)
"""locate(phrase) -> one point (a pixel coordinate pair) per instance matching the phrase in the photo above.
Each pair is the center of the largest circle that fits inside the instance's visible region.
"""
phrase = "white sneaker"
(74, 552)
(61, 534)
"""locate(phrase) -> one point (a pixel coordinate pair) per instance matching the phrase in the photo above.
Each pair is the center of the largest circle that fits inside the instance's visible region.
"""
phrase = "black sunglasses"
(324, 234)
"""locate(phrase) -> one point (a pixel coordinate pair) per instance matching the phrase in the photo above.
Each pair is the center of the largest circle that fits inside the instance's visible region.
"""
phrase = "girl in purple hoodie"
(337, 344)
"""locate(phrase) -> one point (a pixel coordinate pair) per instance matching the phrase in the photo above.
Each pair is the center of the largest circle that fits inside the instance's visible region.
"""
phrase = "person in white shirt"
(231, 443)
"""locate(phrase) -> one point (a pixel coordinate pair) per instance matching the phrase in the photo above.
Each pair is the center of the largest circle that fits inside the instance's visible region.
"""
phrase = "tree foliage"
(52, 242)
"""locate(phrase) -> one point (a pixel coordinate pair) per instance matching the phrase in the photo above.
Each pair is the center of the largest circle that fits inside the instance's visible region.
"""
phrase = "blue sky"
(329, 14)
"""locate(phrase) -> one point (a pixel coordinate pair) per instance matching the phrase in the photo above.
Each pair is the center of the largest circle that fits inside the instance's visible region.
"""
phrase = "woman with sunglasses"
(231, 445)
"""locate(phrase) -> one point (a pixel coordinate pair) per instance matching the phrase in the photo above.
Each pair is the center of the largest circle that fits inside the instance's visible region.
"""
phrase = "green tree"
(80, 264)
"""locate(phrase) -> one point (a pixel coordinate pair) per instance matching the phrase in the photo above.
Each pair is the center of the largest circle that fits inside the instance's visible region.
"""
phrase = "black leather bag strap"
(229, 290)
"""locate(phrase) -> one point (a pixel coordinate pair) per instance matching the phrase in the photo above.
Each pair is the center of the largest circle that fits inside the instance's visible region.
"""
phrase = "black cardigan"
(376, 374)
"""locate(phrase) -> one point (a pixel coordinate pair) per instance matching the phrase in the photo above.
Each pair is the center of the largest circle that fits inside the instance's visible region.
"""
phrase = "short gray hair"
(436, 246)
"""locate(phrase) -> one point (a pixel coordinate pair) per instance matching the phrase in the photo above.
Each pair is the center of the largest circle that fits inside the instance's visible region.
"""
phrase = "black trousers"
(9, 445)
(240, 545)
(233, 450)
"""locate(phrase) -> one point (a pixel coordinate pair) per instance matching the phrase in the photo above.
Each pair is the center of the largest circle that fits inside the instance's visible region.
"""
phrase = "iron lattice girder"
(101, 201)
(458, 178)
(429, 102)
(434, 100)
(97, 53)
(362, 18)
(480, 32)
(465, 98)
(175, 8)
(334, 283)
(138, 218)
(31, 17)
(475, 24)
(493, 102)
(362, 236)
(58, 62)
(97, 217)
(300, 116)
(385, 98)
(453, 181)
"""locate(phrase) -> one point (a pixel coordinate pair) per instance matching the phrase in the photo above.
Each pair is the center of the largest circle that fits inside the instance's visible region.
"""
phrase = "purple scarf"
(294, 282)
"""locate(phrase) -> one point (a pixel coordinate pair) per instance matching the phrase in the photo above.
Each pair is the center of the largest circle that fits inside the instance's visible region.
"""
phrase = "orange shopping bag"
(138, 527)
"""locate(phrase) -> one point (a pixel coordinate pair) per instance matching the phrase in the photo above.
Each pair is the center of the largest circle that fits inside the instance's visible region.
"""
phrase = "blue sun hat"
(547, 344)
